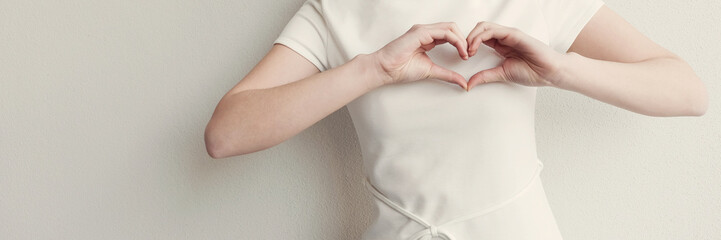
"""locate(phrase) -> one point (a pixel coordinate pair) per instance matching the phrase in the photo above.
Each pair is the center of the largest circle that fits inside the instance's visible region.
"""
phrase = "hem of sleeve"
(302, 50)
(583, 20)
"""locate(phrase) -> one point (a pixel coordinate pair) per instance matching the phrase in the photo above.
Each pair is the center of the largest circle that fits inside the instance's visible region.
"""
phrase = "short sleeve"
(306, 33)
(566, 18)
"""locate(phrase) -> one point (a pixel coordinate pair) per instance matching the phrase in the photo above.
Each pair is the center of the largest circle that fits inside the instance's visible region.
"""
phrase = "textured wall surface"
(103, 106)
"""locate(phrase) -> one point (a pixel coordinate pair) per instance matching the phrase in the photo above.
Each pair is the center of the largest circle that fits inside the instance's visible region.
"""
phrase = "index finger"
(445, 33)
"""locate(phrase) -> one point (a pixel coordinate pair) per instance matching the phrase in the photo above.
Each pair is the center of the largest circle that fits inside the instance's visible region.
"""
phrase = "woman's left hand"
(528, 61)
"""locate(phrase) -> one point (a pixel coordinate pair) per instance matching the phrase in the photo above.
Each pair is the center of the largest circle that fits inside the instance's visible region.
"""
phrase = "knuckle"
(451, 37)
(424, 36)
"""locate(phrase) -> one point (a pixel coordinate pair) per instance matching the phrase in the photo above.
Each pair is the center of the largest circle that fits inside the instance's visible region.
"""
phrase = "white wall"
(103, 106)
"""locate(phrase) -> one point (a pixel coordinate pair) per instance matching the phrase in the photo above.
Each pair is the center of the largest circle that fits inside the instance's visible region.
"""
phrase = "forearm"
(257, 119)
(655, 87)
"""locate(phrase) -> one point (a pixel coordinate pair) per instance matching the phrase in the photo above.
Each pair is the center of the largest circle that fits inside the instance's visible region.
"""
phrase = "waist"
(441, 188)
(437, 218)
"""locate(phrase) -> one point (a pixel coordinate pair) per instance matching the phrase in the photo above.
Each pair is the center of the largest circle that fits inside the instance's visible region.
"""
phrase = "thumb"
(495, 74)
(447, 75)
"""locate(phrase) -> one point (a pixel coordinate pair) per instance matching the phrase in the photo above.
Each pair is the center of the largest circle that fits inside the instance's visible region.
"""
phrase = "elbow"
(698, 112)
(698, 107)
(693, 97)
(219, 144)
(213, 145)
(214, 152)
(699, 103)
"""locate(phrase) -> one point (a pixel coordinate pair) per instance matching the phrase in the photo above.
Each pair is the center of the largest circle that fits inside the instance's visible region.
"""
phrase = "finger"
(462, 52)
(456, 30)
(500, 48)
(503, 35)
(479, 28)
(447, 75)
(486, 36)
(503, 40)
(495, 74)
(450, 36)
(487, 32)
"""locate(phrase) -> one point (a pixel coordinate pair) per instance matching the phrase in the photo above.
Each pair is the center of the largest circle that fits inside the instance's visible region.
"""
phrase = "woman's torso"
(431, 147)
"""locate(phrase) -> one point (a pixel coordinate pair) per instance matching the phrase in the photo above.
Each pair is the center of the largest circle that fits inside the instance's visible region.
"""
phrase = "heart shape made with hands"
(524, 59)
(446, 56)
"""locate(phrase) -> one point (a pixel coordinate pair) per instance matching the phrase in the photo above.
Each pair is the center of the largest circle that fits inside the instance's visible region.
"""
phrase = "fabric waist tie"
(432, 231)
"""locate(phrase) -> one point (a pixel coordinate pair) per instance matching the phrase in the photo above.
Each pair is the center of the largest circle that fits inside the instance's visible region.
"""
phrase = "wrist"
(565, 75)
(371, 65)
(365, 66)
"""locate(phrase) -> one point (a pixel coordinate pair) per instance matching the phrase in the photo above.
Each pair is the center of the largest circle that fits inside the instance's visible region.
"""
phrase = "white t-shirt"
(436, 152)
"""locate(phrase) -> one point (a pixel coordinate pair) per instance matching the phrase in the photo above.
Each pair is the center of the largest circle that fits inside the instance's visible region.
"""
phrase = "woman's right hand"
(404, 59)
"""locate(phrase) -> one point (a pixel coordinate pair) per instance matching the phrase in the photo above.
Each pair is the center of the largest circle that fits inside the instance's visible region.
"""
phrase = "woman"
(442, 161)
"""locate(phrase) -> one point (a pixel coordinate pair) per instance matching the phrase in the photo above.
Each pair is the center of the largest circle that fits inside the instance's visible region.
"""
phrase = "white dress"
(443, 163)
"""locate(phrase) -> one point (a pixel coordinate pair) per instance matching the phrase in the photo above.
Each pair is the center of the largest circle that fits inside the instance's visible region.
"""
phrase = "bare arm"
(285, 93)
(612, 62)
(252, 116)
(609, 61)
